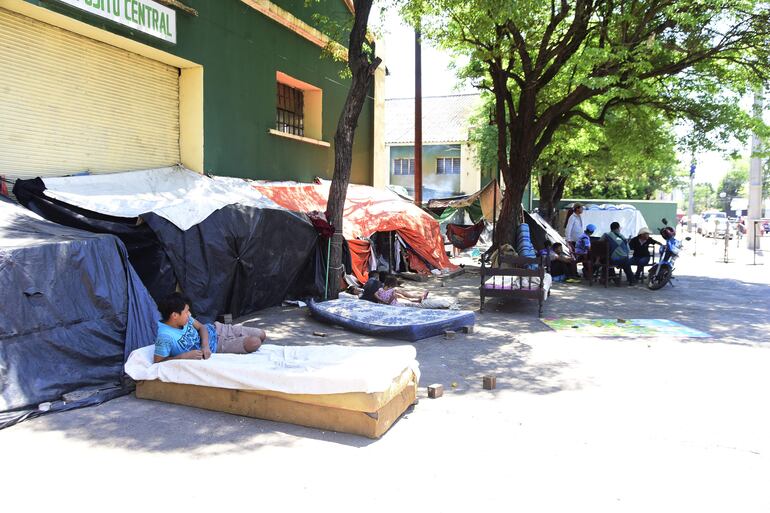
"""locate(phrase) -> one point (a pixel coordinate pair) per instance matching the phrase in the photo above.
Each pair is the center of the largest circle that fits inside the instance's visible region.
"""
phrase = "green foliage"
(336, 24)
(483, 135)
(551, 63)
(631, 156)
(705, 198)
(735, 182)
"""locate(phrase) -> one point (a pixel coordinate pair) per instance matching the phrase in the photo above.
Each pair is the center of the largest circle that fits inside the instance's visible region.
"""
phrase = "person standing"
(574, 225)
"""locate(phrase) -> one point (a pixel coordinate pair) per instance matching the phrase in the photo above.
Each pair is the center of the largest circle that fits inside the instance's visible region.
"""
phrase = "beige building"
(449, 163)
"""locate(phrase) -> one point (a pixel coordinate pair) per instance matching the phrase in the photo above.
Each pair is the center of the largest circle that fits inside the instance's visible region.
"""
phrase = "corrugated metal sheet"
(70, 104)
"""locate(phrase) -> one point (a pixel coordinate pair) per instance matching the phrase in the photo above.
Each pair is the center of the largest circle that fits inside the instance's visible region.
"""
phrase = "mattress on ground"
(390, 321)
(287, 407)
(311, 370)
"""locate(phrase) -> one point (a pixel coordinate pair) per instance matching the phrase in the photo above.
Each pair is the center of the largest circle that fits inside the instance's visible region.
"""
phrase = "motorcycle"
(663, 272)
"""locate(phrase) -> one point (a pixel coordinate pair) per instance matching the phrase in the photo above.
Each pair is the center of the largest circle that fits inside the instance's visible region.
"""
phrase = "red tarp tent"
(367, 211)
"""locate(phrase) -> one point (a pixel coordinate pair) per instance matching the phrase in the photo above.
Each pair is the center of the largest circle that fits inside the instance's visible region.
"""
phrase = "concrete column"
(380, 154)
(755, 176)
(470, 171)
(691, 206)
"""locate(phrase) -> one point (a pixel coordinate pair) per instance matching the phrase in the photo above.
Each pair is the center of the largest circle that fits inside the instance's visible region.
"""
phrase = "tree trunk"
(551, 191)
(362, 70)
(516, 175)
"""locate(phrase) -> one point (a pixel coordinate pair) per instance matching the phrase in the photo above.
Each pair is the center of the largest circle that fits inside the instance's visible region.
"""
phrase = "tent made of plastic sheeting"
(367, 211)
(479, 205)
(542, 233)
(145, 251)
(182, 197)
(630, 219)
(237, 259)
(72, 311)
(467, 220)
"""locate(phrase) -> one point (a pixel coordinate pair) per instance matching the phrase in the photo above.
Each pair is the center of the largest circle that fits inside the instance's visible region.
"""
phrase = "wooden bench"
(500, 281)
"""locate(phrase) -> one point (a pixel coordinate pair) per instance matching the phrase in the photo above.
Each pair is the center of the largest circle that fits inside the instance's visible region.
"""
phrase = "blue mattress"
(401, 322)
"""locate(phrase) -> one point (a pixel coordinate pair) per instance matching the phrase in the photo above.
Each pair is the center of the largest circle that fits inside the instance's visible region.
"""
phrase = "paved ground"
(576, 424)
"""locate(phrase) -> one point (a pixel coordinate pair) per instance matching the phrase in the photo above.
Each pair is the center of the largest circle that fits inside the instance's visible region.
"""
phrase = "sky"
(438, 79)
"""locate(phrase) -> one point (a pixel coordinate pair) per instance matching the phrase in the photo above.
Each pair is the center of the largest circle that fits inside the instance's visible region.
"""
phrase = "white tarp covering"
(289, 369)
(630, 219)
(183, 197)
(552, 234)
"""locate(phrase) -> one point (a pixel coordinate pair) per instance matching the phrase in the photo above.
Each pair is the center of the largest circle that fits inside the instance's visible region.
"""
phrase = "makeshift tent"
(73, 309)
(218, 238)
(368, 211)
(542, 233)
(467, 219)
(480, 204)
(144, 249)
(631, 220)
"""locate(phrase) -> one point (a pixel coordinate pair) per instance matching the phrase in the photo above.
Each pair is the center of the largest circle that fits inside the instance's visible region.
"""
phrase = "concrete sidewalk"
(575, 424)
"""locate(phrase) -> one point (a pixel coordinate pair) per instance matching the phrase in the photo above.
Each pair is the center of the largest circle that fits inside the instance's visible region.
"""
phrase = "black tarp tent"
(237, 260)
(72, 310)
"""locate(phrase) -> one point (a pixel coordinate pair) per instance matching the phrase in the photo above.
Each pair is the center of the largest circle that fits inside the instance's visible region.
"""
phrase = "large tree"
(547, 62)
(631, 156)
(362, 63)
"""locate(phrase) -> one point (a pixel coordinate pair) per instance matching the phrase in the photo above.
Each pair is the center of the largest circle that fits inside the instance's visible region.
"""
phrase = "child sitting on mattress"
(180, 337)
(390, 293)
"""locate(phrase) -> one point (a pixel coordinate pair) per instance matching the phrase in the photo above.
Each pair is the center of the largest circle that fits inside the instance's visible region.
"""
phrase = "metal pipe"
(417, 118)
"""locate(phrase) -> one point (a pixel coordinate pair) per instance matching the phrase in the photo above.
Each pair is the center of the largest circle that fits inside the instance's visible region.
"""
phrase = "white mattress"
(288, 369)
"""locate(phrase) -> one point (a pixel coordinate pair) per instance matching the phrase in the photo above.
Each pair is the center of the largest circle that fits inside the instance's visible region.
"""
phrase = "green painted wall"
(329, 11)
(241, 50)
(434, 185)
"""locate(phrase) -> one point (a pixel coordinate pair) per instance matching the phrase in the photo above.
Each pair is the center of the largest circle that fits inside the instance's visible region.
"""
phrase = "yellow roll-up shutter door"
(70, 104)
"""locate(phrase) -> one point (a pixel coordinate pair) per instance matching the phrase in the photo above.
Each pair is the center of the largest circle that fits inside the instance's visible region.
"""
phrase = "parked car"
(715, 224)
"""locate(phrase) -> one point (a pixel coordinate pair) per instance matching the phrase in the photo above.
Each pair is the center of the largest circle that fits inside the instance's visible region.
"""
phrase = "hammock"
(464, 236)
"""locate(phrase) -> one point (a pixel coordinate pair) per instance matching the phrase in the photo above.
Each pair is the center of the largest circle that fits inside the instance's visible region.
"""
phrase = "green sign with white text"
(143, 15)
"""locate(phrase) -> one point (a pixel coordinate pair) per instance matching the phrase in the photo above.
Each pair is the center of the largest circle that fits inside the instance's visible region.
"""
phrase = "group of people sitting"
(624, 253)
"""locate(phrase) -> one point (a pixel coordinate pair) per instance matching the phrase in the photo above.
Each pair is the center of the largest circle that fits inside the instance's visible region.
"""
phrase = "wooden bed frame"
(518, 268)
(332, 412)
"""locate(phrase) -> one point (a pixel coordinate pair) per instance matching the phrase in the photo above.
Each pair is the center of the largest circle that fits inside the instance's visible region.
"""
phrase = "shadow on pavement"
(150, 426)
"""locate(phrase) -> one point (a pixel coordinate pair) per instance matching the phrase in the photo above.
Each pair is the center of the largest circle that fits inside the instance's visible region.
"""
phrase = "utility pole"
(691, 207)
(417, 118)
(755, 177)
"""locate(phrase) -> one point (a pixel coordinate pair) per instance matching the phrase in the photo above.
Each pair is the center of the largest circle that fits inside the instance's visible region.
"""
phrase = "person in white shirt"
(574, 225)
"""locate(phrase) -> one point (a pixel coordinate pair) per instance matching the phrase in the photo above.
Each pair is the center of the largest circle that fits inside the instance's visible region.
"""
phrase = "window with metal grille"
(403, 166)
(289, 114)
(447, 166)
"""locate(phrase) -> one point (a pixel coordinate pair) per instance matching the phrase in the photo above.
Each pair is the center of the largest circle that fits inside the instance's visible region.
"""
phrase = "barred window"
(447, 166)
(290, 110)
(403, 166)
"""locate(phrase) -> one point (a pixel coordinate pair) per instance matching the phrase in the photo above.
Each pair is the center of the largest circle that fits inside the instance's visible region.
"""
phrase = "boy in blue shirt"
(181, 337)
(583, 243)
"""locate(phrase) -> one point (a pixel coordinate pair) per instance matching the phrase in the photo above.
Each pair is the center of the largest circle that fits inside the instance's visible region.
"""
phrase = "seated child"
(180, 337)
(390, 293)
